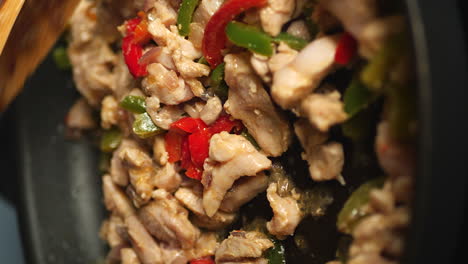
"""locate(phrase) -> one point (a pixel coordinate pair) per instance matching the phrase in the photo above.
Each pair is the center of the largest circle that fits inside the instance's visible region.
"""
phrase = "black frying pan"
(61, 208)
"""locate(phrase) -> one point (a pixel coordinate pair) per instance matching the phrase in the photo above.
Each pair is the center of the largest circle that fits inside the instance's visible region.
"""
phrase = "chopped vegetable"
(132, 46)
(199, 144)
(346, 49)
(375, 74)
(189, 124)
(173, 144)
(224, 123)
(214, 38)
(359, 126)
(353, 211)
(357, 97)
(204, 260)
(202, 60)
(249, 137)
(144, 127)
(187, 7)
(276, 254)
(217, 75)
(110, 140)
(292, 41)
(61, 58)
(249, 37)
(222, 91)
(400, 111)
(134, 104)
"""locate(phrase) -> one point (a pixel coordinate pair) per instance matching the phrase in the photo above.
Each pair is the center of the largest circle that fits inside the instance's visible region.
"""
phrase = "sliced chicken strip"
(162, 116)
(164, 11)
(206, 246)
(80, 116)
(275, 14)
(211, 110)
(302, 76)
(167, 220)
(241, 245)
(109, 112)
(192, 199)
(249, 102)
(323, 110)
(230, 157)
(160, 154)
(118, 171)
(140, 170)
(243, 190)
(282, 57)
(111, 231)
(167, 178)
(286, 213)
(129, 256)
(166, 85)
(172, 255)
(115, 199)
(145, 247)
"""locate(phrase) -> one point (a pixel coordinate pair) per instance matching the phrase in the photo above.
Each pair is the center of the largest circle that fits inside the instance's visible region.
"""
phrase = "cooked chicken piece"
(325, 160)
(354, 14)
(92, 74)
(160, 154)
(114, 199)
(164, 11)
(163, 116)
(286, 213)
(230, 157)
(323, 110)
(192, 199)
(282, 57)
(206, 246)
(109, 112)
(299, 29)
(166, 85)
(113, 256)
(275, 14)
(196, 34)
(260, 65)
(309, 136)
(118, 172)
(249, 261)
(302, 76)
(326, 163)
(111, 231)
(242, 245)
(171, 255)
(167, 178)
(211, 110)
(249, 102)
(187, 67)
(82, 28)
(205, 10)
(168, 221)
(156, 54)
(123, 80)
(193, 109)
(243, 190)
(145, 247)
(196, 86)
(140, 170)
(129, 256)
(80, 116)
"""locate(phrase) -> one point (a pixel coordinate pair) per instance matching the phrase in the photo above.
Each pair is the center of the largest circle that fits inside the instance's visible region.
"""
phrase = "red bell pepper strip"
(189, 124)
(173, 144)
(346, 49)
(199, 144)
(204, 260)
(186, 160)
(214, 38)
(224, 123)
(136, 36)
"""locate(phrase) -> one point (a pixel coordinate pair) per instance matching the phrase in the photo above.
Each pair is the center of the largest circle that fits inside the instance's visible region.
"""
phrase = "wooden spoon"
(37, 27)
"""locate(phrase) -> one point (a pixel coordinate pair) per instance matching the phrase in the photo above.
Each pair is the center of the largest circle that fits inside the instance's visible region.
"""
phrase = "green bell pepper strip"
(61, 58)
(276, 254)
(249, 37)
(401, 111)
(357, 97)
(144, 127)
(187, 7)
(134, 104)
(250, 138)
(202, 60)
(375, 74)
(352, 211)
(110, 140)
(217, 75)
(222, 91)
(290, 40)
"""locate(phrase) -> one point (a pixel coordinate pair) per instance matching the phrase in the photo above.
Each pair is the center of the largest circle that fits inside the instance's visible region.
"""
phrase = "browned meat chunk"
(230, 157)
(242, 245)
(249, 102)
(243, 190)
(167, 220)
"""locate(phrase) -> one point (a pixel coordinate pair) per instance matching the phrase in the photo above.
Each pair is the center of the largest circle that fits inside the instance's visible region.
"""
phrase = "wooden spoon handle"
(38, 26)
